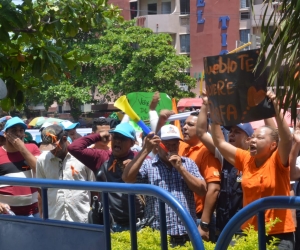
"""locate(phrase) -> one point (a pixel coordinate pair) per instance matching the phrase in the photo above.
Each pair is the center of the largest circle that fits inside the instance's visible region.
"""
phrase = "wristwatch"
(204, 226)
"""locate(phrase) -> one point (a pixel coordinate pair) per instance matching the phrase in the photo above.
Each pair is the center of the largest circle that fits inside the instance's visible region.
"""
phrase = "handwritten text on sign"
(140, 102)
(235, 93)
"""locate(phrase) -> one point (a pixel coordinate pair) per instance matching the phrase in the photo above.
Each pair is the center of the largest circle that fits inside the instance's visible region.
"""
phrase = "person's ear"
(273, 145)
(132, 143)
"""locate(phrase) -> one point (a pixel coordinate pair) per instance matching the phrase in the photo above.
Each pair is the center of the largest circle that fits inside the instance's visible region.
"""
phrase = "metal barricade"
(258, 208)
(73, 235)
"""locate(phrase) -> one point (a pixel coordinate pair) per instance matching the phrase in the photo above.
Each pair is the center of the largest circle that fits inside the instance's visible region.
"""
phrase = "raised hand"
(15, 141)
(151, 141)
(165, 114)
(175, 160)
(105, 136)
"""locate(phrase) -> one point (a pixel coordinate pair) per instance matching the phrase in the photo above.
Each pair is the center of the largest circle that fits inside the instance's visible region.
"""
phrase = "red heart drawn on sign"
(255, 97)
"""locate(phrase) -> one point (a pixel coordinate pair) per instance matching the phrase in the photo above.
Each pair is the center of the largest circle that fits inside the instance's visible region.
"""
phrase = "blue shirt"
(157, 173)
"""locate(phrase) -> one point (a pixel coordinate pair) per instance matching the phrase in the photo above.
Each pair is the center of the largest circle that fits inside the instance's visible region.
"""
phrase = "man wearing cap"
(111, 165)
(18, 160)
(209, 167)
(71, 129)
(44, 146)
(178, 175)
(59, 164)
(230, 199)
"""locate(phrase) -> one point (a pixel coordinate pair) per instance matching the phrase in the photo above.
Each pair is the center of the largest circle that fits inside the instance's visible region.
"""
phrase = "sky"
(17, 1)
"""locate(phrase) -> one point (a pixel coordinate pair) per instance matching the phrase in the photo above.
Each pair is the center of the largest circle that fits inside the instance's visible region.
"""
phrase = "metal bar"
(261, 230)
(57, 223)
(44, 192)
(106, 220)
(133, 236)
(163, 225)
(251, 210)
(145, 189)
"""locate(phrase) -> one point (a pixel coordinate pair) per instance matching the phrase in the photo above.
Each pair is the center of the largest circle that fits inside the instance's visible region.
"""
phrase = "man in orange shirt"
(209, 168)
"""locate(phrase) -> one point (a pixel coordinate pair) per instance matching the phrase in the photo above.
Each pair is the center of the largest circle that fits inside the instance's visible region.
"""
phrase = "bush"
(149, 239)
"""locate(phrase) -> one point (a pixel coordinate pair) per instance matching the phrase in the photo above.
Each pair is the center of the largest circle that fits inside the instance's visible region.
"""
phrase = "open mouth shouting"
(252, 149)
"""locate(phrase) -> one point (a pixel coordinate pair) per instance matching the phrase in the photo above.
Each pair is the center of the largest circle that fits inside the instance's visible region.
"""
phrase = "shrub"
(149, 239)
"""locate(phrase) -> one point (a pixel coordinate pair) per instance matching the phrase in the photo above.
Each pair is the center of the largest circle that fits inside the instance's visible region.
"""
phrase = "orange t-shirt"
(209, 166)
(271, 179)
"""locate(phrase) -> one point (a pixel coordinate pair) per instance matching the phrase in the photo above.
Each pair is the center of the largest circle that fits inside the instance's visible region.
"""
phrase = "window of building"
(184, 7)
(245, 15)
(152, 8)
(245, 4)
(133, 10)
(244, 35)
(185, 43)
(166, 8)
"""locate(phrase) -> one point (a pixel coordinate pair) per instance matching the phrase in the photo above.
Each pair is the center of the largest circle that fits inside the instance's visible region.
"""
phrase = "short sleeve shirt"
(271, 179)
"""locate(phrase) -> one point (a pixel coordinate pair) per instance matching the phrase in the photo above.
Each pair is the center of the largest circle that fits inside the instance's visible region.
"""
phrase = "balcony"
(259, 10)
(164, 23)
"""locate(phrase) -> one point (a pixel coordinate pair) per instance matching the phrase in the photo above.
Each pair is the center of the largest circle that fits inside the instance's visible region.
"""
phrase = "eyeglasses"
(119, 137)
(60, 171)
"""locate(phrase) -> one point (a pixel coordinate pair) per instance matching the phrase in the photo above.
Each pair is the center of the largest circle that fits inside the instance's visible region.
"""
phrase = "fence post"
(261, 230)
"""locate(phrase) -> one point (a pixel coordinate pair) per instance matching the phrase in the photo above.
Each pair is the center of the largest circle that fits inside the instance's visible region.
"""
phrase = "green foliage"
(280, 36)
(149, 239)
(34, 40)
(130, 58)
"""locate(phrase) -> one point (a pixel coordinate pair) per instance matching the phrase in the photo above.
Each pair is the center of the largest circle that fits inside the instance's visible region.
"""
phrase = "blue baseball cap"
(13, 122)
(124, 129)
(246, 127)
(67, 125)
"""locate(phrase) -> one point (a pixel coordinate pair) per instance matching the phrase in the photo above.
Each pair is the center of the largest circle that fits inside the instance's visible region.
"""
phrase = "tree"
(33, 41)
(283, 59)
(122, 58)
(130, 58)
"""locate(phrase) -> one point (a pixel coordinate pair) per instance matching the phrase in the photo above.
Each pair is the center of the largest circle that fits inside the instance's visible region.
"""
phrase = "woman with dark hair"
(266, 171)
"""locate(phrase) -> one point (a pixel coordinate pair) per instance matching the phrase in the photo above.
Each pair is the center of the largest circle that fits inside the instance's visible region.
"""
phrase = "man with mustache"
(18, 160)
(178, 175)
(58, 164)
(209, 167)
(111, 165)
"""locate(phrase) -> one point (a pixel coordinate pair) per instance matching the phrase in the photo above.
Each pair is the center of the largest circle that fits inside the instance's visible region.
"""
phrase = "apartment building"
(199, 28)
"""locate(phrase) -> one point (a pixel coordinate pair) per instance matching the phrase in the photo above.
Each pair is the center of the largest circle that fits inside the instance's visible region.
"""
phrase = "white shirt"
(65, 204)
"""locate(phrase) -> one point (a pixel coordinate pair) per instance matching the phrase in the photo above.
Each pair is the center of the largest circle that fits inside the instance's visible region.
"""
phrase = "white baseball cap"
(169, 132)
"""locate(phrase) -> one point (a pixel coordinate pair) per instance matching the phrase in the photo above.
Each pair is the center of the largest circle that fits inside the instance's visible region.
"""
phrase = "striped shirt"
(155, 172)
(22, 200)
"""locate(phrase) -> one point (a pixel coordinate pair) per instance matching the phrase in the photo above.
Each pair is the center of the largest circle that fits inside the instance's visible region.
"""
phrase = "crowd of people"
(213, 171)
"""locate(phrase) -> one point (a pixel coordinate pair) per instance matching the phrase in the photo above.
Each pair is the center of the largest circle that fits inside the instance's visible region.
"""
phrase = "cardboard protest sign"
(140, 101)
(236, 94)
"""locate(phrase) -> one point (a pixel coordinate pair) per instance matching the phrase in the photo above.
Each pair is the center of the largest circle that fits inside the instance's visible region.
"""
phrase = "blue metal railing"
(105, 187)
(257, 207)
